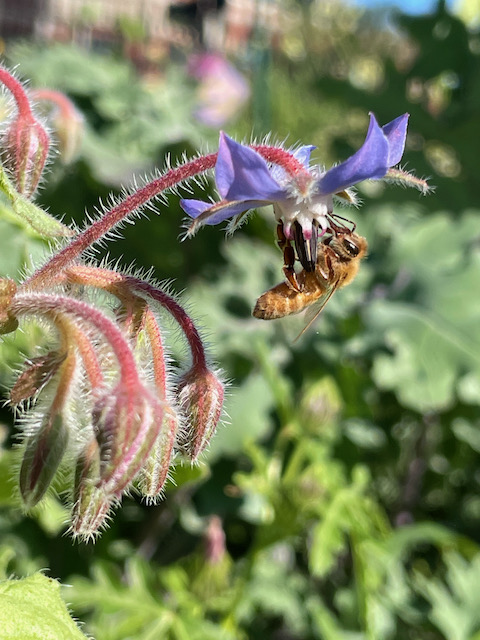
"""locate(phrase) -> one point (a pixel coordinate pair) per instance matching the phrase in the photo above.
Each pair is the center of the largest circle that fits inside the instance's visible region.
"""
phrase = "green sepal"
(26, 212)
(43, 454)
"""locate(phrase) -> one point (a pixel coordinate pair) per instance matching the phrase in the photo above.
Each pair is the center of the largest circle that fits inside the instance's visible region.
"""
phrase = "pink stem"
(18, 92)
(53, 305)
(187, 325)
(105, 278)
(104, 225)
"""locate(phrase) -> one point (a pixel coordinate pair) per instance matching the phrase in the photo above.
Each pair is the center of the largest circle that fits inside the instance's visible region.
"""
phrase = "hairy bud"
(201, 400)
(42, 456)
(27, 145)
(154, 472)
(126, 423)
(91, 504)
(8, 289)
(38, 373)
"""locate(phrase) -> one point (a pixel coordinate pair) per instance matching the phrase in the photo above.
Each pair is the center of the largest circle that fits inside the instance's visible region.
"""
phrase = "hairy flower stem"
(88, 356)
(54, 305)
(101, 227)
(111, 280)
(18, 92)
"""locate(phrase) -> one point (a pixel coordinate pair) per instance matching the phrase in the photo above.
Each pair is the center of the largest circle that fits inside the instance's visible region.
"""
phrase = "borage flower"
(302, 202)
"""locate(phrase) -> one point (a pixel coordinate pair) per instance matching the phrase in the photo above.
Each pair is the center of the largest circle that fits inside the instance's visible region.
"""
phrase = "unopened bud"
(154, 472)
(66, 120)
(8, 289)
(91, 504)
(214, 541)
(320, 407)
(26, 152)
(126, 422)
(201, 400)
(42, 456)
(34, 378)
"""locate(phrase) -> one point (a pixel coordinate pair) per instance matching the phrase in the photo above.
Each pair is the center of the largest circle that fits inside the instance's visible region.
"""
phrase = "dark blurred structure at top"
(145, 28)
(18, 17)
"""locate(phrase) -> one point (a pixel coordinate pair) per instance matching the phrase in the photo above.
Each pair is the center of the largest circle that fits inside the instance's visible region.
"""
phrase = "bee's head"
(348, 245)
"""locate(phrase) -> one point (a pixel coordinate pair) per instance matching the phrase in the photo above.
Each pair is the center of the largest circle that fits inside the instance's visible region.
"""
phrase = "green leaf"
(431, 331)
(249, 418)
(455, 606)
(32, 609)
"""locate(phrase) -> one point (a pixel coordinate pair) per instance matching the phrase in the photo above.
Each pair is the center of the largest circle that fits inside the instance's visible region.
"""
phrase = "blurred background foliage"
(341, 500)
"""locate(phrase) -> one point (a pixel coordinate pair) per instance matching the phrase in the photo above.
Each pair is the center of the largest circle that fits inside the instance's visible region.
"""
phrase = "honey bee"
(338, 261)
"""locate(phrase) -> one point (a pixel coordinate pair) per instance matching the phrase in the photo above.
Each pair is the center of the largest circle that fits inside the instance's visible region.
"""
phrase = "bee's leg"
(288, 259)
(328, 264)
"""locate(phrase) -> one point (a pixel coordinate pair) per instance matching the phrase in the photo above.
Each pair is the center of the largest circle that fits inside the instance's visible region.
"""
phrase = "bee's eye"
(351, 248)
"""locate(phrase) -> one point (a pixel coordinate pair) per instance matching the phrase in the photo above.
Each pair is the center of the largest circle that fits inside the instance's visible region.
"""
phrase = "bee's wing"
(316, 308)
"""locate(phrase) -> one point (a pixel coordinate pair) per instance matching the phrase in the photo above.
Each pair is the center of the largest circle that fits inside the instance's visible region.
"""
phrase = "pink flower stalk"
(67, 121)
(50, 272)
(26, 141)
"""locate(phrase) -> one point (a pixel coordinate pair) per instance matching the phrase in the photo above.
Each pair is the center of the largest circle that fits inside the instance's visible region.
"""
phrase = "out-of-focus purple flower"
(222, 91)
(245, 181)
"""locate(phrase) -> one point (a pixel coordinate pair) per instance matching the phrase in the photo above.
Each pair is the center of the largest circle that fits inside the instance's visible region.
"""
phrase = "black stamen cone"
(306, 249)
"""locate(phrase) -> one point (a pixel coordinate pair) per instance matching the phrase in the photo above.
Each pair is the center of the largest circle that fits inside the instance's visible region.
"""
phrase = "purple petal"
(206, 213)
(396, 132)
(303, 154)
(370, 161)
(242, 174)
(194, 207)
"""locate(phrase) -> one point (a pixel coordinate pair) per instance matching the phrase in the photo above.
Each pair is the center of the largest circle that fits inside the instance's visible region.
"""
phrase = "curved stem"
(53, 305)
(135, 201)
(16, 89)
(111, 280)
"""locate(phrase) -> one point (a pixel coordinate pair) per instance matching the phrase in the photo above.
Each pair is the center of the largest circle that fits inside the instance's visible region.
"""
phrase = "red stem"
(53, 304)
(104, 225)
(18, 92)
(187, 325)
(106, 278)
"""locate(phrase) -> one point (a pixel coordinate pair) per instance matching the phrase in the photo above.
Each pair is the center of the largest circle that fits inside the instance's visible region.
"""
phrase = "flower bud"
(42, 456)
(201, 400)
(69, 126)
(26, 152)
(154, 472)
(66, 120)
(214, 540)
(38, 373)
(8, 289)
(91, 504)
(126, 423)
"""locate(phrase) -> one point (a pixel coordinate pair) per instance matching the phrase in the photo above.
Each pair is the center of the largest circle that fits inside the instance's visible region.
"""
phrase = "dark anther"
(306, 249)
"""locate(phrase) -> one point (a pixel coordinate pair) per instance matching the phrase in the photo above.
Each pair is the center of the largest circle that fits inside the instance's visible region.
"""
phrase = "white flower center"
(305, 212)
